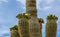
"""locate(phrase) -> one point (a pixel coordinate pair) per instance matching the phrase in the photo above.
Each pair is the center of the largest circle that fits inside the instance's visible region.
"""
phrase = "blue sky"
(10, 8)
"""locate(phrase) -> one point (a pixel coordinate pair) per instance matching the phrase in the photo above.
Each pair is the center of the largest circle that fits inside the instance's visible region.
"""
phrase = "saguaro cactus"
(14, 31)
(31, 7)
(40, 21)
(23, 26)
(51, 26)
(34, 26)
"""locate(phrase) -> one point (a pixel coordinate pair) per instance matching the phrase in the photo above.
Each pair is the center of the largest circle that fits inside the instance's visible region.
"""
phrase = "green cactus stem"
(31, 7)
(51, 26)
(23, 26)
(40, 22)
(14, 31)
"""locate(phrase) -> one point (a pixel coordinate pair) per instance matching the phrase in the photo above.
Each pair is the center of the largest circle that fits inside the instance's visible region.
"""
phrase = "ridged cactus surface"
(31, 7)
(40, 22)
(23, 26)
(14, 31)
(51, 26)
(34, 27)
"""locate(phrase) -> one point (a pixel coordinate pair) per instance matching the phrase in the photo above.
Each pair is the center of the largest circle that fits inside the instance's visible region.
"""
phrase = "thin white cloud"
(47, 8)
(38, 2)
(2, 20)
(44, 8)
(1, 1)
(22, 1)
(3, 32)
(49, 1)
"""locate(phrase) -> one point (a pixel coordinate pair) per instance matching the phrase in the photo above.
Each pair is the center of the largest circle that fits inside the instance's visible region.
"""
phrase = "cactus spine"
(51, 26)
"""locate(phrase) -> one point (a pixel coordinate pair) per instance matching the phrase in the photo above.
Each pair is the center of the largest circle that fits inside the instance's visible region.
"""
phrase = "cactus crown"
(19, 16)
(52, 17)
(23, 15)
(40, 20)
(14, 28)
